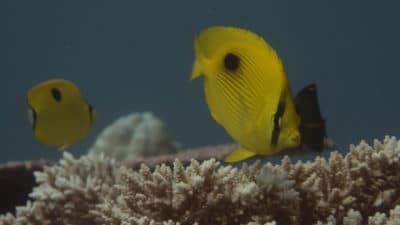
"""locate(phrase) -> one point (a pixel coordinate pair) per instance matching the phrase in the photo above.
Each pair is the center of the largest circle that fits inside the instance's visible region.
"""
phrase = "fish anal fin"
(239, 154)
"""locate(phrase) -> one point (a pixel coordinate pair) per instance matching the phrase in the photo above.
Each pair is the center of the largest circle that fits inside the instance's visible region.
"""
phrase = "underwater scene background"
(129, 56)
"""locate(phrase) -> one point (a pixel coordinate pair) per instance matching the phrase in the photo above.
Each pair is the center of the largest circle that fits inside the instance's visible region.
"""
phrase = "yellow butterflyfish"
(58, 113)
(246, 90)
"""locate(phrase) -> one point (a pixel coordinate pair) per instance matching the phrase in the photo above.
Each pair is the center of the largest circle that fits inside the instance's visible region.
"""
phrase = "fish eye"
(56, 94)
(231, 62)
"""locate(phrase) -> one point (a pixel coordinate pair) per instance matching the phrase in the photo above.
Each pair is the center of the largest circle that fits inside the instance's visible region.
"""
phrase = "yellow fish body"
(59, 115)
(247, 91)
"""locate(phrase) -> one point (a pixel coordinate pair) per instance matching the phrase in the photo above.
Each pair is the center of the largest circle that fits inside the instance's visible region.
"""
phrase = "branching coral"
(366, 179)
(67, 191)
(359, 188)
(204, 193)
(354, 218)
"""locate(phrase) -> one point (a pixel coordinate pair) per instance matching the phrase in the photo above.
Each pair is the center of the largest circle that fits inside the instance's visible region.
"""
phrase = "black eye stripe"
(56, 93)
(231, 62)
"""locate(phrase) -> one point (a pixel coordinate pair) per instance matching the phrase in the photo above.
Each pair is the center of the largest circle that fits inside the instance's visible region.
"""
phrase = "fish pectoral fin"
(214, 116)
(63, 147)
(239, 154)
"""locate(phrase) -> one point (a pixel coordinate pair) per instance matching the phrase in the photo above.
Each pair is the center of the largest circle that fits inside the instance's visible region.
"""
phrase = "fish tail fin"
(93, 115)
(312, 125)
(239, 154)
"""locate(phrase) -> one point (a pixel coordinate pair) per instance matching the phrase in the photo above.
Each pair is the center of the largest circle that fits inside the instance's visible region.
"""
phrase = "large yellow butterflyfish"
(247, 91)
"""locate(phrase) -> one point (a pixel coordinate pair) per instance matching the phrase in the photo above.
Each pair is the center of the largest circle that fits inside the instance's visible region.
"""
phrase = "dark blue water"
(129, 56)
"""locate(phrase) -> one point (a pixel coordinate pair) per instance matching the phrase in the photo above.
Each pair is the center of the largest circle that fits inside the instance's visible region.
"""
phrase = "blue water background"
(135, 56)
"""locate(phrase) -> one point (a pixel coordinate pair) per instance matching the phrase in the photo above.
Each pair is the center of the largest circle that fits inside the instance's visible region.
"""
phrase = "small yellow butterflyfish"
(58, 113)
(246, 90)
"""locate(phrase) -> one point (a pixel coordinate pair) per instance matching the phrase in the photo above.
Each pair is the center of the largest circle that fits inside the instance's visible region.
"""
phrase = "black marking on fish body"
(231, 62)
(56, 93)
(312, 125)
(277, 129)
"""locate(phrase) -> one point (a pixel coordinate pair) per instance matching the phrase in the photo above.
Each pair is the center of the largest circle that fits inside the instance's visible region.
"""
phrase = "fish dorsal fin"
(239, 154)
